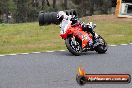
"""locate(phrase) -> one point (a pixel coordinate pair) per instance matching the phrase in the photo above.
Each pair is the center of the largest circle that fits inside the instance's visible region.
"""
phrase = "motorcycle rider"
(61, 16)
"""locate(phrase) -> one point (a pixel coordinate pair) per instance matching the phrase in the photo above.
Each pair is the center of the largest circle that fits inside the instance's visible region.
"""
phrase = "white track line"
(2, 55)
(8, 55)
(112, 45)
(11, 54)
(48, 51)
(123, 44)
(36, 52)
(130, 43)
(62, 50)
(24, 53)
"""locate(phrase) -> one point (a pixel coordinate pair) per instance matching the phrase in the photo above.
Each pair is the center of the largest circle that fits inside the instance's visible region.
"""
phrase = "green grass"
(116, 33)
(30, 37)
(115, 30)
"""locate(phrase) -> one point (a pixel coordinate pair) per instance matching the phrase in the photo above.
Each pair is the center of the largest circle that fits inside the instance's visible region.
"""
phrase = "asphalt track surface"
(58, 69)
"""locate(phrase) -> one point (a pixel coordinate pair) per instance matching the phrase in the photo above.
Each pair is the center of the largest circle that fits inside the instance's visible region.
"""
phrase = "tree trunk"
(43, 2)
(48, 2)
(21, 11)
(91, 7)
(65, 4)
(54, 3)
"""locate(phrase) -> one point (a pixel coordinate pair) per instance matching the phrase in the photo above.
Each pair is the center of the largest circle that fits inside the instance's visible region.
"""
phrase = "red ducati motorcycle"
(78, 41)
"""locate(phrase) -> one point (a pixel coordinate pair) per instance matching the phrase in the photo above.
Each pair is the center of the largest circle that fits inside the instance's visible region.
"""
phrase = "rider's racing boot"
(95, 38)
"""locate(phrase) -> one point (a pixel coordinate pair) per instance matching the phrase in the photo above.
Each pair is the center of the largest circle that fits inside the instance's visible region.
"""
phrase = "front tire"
(75, 49)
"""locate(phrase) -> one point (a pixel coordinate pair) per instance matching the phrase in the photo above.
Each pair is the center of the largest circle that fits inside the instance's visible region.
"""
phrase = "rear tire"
(54, 18)
(101, 48)
(50, 18)
(74, 49)
(46, 18)
(41, 19)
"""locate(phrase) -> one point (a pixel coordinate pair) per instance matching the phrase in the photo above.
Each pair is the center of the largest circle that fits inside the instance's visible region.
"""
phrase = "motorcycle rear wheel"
(102, 47)
(74, 46)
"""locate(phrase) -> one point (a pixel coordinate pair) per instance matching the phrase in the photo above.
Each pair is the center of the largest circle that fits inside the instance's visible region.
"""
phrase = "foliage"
(89, 7)
(28, 10)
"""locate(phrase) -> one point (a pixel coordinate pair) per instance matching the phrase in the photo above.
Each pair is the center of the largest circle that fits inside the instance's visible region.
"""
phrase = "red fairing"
(78, 32)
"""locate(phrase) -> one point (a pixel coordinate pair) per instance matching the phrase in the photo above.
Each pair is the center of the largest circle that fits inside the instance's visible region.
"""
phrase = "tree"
(54, 3)
(106, 6)
(91, 10)
(6, 8)
(21, 11)
(48, 2)
(65, 4)
(88, 7)
(42, 4)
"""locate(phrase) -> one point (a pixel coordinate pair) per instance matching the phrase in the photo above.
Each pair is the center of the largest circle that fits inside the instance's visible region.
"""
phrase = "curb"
(121, 44)
(54, 51)
(29, 53)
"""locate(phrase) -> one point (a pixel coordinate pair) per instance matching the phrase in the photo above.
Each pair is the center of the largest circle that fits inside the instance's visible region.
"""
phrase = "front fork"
(74, 40)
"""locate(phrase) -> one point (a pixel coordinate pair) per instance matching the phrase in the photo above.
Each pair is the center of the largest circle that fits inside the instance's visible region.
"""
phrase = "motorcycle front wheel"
(73, 45)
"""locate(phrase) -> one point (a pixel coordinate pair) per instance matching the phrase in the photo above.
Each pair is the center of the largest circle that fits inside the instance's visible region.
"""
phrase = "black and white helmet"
(61, 15)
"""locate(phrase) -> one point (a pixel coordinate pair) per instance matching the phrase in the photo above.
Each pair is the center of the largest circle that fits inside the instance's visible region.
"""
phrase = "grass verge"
(30, 37)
